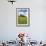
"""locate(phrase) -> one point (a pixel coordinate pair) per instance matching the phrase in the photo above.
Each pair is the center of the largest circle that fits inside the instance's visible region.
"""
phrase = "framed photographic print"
(22, 16)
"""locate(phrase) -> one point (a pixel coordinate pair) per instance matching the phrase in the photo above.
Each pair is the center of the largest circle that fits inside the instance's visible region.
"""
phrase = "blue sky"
(23, 11)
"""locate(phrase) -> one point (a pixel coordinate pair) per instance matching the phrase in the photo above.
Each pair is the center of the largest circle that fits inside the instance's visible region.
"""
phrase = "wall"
(37, 28)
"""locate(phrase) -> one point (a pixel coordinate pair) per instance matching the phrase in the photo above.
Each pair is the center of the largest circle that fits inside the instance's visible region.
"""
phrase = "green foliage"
(22, 19)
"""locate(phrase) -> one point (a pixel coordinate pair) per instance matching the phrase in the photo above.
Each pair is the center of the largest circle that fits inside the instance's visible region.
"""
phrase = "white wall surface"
(37, 29)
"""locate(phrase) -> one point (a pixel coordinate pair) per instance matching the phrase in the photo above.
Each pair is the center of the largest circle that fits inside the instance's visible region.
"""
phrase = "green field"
(22, 19)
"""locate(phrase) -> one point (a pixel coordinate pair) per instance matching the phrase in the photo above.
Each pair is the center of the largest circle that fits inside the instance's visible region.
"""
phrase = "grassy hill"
(22, 19)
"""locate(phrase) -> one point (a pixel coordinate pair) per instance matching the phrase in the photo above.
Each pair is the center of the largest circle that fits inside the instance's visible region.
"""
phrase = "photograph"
(22, 16)
(22, 22)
